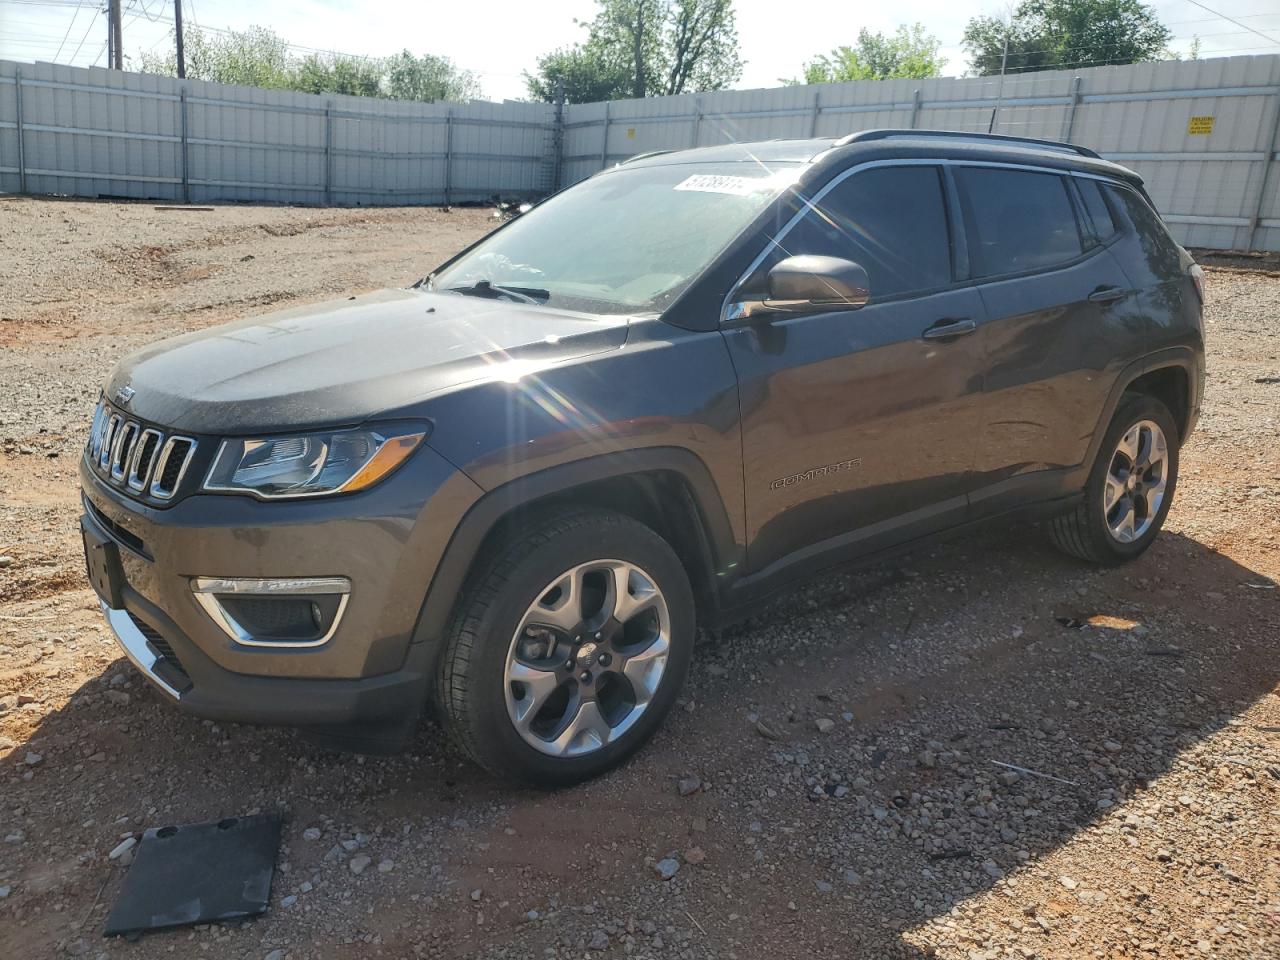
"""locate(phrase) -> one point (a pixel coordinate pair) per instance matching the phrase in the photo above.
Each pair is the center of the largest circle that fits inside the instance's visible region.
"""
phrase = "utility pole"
(1004, 62)
(177, 33)
(115, 36)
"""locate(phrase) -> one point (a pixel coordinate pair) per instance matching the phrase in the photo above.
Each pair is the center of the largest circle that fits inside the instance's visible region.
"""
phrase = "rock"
(123, 847)
(274, 955)
(31, 759)
(532, 915)
(824, 724)
(1008, 778)
(823, 886)
(335, 853)
(386, 866)
(992, 869)
(1111, 746)
(119, 697)
(1069, 883)
(289, 901)
(6, 561)
(476, 894)
(851, 877)
(689, 785)
(25, 698)
(359, 863)
(311, 833)
(928, 759)
(695, 855)
(305, 886)
(5, 891)
(766, 731)
(350, 845)
(599, 941)
(666, 868)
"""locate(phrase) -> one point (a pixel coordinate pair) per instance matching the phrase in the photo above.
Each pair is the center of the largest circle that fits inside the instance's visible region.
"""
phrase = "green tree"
(645, 48)
(1067, 35)
(429, 78)
(259, 57)
(908, 53)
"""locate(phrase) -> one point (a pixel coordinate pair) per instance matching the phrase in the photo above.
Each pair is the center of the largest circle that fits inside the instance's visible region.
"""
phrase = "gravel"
(1139, 701)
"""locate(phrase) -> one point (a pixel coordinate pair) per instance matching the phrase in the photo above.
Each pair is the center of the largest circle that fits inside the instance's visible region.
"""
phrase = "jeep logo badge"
(124, 394)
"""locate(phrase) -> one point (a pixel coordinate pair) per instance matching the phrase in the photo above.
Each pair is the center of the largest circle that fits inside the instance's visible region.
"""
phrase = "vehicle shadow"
(795, 842)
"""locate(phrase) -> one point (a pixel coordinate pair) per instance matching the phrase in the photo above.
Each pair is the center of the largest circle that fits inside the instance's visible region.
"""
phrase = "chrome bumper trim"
(135, 647)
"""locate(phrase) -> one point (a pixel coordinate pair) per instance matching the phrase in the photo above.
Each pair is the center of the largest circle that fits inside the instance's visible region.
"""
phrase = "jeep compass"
(512, 492)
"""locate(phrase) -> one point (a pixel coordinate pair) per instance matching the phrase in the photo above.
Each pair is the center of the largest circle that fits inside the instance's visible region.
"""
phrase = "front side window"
(628, 241)
(890, 220)
(1018, 220)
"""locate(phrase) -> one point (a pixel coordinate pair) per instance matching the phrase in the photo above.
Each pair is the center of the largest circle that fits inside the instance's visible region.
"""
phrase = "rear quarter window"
(1017, 220)
(1095, 205)
(1158, 248)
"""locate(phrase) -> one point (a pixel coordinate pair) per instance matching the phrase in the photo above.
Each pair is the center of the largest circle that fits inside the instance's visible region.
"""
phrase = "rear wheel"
(570, 651)
(1130, 487)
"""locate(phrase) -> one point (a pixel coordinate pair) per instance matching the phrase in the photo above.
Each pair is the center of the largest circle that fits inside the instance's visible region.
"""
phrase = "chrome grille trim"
(108, 438)
(139, 472)
(128, 454)
(159, 491)
(121, 447)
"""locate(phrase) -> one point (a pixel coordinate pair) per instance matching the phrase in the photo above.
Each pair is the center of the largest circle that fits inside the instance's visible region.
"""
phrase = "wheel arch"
(668, 489)
(1171, 369)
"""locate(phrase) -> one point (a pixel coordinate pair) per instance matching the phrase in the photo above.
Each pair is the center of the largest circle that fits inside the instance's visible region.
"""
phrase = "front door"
(858, 426)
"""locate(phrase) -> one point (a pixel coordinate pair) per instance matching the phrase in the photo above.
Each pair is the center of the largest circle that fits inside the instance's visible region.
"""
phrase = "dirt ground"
(1143, 698)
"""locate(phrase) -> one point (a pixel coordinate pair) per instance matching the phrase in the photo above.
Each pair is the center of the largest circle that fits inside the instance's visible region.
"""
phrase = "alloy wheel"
(587, 658)
(1136, 481)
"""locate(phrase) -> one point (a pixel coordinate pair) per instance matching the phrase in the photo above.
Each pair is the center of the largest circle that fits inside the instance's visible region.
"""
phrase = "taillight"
(1197, 277)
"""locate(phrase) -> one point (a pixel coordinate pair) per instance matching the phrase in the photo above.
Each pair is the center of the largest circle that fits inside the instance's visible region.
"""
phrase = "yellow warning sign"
(1200, 126)
(631, 133)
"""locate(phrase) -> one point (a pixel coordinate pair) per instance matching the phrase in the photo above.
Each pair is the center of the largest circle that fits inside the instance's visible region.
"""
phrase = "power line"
(92, 21)
(1197, 3)
(68, 33)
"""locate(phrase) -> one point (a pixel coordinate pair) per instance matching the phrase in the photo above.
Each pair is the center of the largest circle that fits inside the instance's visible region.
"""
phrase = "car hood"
(347, 361)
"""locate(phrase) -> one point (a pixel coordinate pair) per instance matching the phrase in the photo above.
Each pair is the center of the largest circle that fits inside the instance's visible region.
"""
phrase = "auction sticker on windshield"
(718, 183)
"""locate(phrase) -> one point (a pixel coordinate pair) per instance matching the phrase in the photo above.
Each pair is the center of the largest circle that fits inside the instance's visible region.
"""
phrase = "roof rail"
(644, 156)
(862, 136)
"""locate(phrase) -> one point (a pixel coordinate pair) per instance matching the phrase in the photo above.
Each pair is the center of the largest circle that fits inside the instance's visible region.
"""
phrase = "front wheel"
(1130, 487)
(569, 651)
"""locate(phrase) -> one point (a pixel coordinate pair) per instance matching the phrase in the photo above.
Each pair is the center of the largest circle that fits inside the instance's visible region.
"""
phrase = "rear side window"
(891, 220)
(1018, 220)
(1158, 247)
(1104, 226)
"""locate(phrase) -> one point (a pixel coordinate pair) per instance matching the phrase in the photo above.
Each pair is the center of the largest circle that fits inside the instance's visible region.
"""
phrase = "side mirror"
(808, 284)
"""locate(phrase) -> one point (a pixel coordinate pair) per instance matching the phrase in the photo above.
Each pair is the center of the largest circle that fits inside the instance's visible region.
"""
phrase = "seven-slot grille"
(139, 458)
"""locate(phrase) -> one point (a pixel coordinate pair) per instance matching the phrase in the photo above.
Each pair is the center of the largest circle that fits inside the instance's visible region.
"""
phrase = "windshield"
(629, 241)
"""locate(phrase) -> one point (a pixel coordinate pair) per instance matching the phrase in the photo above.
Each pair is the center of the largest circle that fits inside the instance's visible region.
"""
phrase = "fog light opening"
(275, 612)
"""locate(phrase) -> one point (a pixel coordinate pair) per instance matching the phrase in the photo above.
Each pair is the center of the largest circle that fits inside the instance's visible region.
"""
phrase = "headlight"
(312, 464)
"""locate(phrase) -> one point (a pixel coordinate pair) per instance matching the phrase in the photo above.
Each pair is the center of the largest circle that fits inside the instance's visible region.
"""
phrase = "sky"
(500, 39)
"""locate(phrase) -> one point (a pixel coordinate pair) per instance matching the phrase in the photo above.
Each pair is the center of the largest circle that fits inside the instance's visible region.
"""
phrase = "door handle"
(1107, 295)
(949, 329)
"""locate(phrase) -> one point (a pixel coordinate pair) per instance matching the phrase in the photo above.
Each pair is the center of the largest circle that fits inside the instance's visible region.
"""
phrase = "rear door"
(1060, 323)
(858, 425)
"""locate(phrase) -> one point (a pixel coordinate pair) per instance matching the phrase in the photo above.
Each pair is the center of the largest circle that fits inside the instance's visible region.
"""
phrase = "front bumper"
(376, 667)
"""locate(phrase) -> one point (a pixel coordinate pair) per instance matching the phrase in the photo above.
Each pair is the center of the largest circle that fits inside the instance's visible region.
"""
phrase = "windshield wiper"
(492, 291)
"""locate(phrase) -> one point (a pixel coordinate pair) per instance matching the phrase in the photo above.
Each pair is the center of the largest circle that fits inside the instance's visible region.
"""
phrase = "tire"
(1087, 531)
(531, 588)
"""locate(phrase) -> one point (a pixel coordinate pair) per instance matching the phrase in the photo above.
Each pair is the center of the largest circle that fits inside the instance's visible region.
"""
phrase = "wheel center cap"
(587, 654)
(1131, 482)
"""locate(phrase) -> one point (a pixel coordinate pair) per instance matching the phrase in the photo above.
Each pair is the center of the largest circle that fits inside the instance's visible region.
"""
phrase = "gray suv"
(514, 491)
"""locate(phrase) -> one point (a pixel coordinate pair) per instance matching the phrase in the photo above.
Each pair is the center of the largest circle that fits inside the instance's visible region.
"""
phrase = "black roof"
(895, 144)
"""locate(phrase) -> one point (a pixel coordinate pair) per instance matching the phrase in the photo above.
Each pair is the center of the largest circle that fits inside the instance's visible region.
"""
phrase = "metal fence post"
(328, 154)
(22, 149)
(557, 139)
(1268, 170)
(604, 138)
(184, 157)
(1070, 122)
(697, 121)
(448, 154)
(915, 108)
(813, 116)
